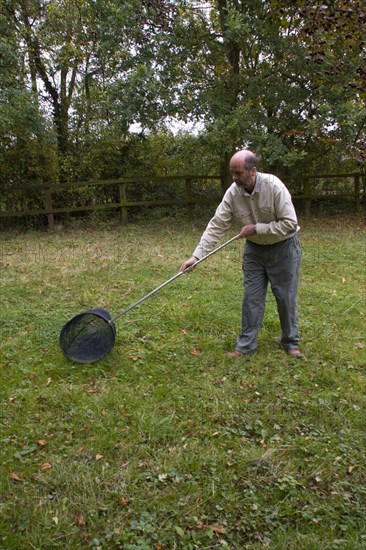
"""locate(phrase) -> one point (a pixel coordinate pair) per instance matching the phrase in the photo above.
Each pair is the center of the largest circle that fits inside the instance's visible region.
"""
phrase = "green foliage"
(284, 78)
(333, 35)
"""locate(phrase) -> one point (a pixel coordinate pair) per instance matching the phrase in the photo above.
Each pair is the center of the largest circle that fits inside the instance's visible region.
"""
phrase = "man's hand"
(187, 265)
(247, 231)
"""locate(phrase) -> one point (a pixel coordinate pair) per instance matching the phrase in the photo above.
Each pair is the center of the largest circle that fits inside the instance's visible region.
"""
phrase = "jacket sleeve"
(217, 227)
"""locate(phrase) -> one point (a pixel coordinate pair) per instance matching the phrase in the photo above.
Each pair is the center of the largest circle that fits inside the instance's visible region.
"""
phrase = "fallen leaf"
(196, 351)
(46, 466)
(98, 457)
(41, 442)
(218, 529)
(49, 380)
(15, 477)
(350, 470)
(122, 501)
(134, 357)
(184, 331)
(80, 521)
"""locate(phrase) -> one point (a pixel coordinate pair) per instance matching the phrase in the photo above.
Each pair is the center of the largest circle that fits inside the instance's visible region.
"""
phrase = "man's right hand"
(188, 264)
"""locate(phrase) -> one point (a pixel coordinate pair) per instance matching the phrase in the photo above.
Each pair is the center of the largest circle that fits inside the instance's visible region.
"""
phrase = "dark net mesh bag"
(88, 337)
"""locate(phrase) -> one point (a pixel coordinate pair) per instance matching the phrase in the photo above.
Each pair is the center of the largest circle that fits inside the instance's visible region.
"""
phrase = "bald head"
(243, 169)
(246, 158)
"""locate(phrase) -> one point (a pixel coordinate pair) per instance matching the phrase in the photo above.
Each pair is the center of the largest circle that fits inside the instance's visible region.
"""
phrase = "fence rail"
(123, 204)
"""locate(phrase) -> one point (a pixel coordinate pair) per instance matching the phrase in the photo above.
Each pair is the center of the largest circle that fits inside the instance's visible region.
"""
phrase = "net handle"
(173, 278)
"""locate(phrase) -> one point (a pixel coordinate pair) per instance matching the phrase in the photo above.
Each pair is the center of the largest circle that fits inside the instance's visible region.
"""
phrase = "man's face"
(242, 176)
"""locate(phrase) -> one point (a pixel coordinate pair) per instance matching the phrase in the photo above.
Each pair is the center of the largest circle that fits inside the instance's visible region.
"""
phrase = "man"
(263, 205)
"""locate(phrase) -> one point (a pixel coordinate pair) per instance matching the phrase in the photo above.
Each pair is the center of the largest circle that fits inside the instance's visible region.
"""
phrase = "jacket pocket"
(243, 216)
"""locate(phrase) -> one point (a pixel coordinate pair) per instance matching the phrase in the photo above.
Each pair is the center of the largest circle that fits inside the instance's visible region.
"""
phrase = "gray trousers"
(277, 264)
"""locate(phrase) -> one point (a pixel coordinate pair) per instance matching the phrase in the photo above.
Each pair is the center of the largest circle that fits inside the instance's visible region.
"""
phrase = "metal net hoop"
(88, 337)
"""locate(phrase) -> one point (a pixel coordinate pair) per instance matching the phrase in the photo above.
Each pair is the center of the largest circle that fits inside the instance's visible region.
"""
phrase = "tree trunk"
(232, 50)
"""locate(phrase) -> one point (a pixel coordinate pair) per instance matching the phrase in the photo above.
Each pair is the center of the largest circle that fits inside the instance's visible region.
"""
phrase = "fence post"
(49, 208)
(307, 198)
(123, 201)
(357, 194)
(189, 198)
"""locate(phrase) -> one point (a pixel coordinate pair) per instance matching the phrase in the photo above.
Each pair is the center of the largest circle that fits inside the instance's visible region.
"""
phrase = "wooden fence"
(357, 193)
(307, 195)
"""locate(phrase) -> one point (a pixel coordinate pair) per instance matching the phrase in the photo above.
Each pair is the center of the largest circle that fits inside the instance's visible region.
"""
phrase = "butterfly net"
(88, 337)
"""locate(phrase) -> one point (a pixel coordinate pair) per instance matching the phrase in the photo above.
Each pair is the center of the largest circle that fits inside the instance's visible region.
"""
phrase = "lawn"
(166, 443)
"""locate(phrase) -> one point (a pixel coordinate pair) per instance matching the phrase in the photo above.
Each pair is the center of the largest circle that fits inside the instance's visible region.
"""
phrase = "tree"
(252, 72)
(285, 78)
(26, 145)
(334, 34)
(52, 35)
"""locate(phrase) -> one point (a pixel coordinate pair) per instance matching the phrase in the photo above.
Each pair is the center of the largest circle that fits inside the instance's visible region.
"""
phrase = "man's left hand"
(247, 231)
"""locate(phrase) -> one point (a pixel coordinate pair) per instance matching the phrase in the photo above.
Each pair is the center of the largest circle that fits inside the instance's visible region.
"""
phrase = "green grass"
(166, 443)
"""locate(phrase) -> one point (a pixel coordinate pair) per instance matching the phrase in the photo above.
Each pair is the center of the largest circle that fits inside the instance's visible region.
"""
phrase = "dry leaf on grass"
(122, 501)
(80, 521)
(218, 529)
(15, 477)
